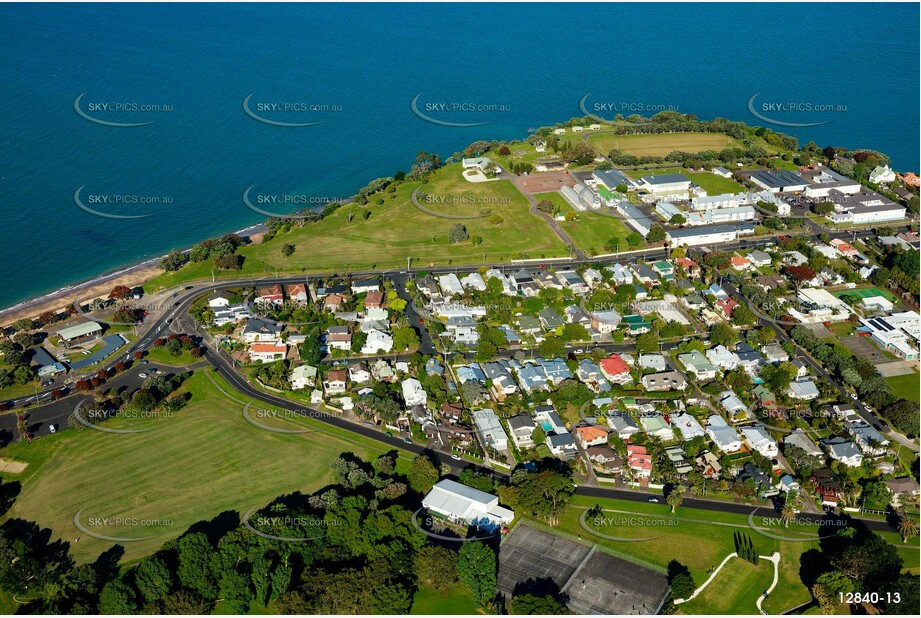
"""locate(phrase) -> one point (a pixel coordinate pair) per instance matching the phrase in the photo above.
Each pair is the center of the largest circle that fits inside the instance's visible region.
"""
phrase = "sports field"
(660, 144)
(205, 461)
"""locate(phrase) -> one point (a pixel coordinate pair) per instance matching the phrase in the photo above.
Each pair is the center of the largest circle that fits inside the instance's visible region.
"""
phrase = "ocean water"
(355, 70)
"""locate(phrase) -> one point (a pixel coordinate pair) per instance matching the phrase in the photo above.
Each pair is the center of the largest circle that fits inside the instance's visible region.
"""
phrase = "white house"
(881, 174)
(377, 342)
(464, 504)
(724, 436)
(413, 393)
(268, 352)
(303, 376)
(687, 425)
(489, 429)
(759, 439)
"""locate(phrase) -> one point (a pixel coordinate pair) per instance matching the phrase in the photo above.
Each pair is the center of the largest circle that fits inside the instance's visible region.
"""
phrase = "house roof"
(591, 432)
(614, 365)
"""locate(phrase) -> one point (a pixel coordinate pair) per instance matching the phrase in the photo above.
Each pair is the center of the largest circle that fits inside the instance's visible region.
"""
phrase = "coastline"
(131, 275)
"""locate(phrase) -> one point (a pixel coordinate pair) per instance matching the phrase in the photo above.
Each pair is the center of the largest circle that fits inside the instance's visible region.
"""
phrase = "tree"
(404, 338)
(678, 219)
(908, 528)
(153, 579)
(172, 261)
(23, 324)
(457, 233)
(787, 514)
(551, 347)
(485, 351)
(634, 239)
(647, 343)
(680, 580)
(546, 206)
(799, 275)
(531, 604)
(117, 597)
(422, 474)
(195, 554)
(310, 351)
(743, 316)
(476, 569)
(119, 292)
(436, 567)
(287, 250)
(723, 334)
(656, 234)
(675, 497)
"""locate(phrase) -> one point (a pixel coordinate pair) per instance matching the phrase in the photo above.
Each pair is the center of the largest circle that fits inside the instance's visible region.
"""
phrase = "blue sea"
(350, 73)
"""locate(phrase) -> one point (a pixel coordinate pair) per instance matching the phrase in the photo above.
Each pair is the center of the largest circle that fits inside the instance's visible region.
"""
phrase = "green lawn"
(456, 600)
(397, 230)
(660, 144)
(591, 230)
(906, 387)
(713, 184)
(162, 356)
(205, 460)
(734, 590)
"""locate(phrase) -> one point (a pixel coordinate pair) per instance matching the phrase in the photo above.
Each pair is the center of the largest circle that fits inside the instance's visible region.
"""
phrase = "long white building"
(464, 504)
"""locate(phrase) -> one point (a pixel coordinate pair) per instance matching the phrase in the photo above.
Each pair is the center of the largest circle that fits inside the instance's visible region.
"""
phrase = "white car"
(142, 375)
(52, 428)
(854, 396)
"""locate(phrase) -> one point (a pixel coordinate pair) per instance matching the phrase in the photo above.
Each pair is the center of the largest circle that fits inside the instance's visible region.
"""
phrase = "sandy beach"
(130, 276)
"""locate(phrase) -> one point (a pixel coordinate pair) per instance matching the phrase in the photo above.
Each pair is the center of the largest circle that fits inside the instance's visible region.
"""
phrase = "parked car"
(456, 457)
(142, 375)
(653, 500)
(53, 428)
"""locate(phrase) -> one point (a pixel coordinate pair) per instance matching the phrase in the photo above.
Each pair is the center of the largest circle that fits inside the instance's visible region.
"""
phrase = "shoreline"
(131, 275)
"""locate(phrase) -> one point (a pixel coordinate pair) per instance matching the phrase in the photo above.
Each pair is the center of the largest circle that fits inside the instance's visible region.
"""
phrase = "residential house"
(555, 369)
(605, 321)
(549, 318)
(615, 369)
(521, 427)
(258, 330)
(218, 300)
(272, 295)
(726, 306)
(413, 393)
(676, 457)
(759, 440)
(695, 362)
(763, 483)
(374, 300)
(592, 277)
(689, 427)
(735, 407)
(622, 424)
(489, 429)
(665, 381)
(378, 342)
(335, 382)
(904, 490)
(333, 302)
(359, 373)
(654, 425)
(656, 362)
(338, 338)
(759, 258)
(803, 389)
(531, 377)
(267, 352)
(604, 459)
(365, 286)
(591, 375)
(297, 292)
(843, 450)
(621, 275)
(450, 285)
(774, 353)
(725, 437)
(870, 441)
(591, 435)
(473, 281)
(709, 465)
(827, 486)
(799, 439)
(722, 357)
(639, 461)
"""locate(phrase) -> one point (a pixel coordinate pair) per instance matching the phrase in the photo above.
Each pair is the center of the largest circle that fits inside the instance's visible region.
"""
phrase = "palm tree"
(787, 514)
(675, 498)
(908, 528)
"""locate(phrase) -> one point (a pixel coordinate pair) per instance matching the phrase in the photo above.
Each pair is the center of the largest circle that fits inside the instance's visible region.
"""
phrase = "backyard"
(591, 230)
